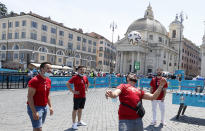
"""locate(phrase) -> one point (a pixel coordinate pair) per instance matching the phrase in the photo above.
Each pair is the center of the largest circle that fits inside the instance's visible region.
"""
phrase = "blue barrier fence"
(7, 70)
(59, 83)
(196, 99)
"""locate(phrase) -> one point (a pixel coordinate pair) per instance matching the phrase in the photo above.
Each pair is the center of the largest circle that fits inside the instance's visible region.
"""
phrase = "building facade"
(157, 49)
(30, 38)
(152, 52)
(203, 57)
(106, 54)
(188, 53)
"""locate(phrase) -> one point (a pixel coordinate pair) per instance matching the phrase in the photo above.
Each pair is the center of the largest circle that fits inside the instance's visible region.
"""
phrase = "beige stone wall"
(32, 46)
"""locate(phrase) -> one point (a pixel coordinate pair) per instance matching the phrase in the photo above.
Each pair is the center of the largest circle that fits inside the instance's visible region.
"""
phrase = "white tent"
(52, 66)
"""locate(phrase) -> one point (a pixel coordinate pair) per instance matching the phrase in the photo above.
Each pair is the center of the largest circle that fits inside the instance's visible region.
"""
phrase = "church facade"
(152, 52)
(156, 49)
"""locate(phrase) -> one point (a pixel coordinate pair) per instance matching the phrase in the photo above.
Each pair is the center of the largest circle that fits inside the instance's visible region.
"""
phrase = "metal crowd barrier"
(13, 80)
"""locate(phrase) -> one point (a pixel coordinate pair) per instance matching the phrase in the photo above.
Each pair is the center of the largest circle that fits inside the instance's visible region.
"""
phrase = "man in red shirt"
(80, 82)
(155, 82)
(38, 97)
(129, 120)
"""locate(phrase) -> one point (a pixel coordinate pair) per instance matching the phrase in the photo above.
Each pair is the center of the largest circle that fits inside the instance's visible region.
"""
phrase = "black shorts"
(79, 103)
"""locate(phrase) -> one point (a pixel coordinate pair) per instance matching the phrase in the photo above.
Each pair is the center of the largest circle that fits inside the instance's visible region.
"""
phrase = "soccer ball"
(134, 37)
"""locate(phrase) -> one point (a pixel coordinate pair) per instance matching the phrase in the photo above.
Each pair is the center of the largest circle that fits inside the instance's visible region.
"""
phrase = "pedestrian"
(29, 76)
(155, 82)
(80, 82)
(38, 97)
(129, 120)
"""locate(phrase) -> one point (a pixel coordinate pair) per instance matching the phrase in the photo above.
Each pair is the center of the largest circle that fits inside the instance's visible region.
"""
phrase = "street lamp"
(113, 26)
(181, 19)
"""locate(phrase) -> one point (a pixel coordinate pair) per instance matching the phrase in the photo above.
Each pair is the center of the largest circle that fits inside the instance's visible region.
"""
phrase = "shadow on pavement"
(69, 129)
(154, 128)
(189, 120)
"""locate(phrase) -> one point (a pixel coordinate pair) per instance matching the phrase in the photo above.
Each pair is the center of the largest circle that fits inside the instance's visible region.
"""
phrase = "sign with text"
(137, 65)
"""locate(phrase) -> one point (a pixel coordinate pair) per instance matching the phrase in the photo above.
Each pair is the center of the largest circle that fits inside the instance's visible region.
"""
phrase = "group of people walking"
(129, 96)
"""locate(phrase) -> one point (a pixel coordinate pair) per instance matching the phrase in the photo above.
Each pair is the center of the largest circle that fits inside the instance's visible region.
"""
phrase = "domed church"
(153, 51)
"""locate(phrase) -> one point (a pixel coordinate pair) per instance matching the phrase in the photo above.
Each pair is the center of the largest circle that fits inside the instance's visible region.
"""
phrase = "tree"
(3, 10)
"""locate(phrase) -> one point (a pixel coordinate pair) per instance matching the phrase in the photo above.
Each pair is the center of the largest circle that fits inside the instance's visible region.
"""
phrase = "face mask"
(159, 74)
(81, 75)
(47, 74)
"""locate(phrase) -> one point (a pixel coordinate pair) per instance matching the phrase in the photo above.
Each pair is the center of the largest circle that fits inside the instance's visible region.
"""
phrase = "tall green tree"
(3, 10)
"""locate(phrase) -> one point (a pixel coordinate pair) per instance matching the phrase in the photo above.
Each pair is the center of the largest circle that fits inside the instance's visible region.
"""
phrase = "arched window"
(3, 47)
(89, 58)
(15, 47)
(43, 49)
(60, 52)
(77, 56)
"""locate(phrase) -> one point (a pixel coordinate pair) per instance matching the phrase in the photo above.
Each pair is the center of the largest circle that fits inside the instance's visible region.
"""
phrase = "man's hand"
(162, 100)
(51, 111)
(108, 93)
(162, 82)
(35, 116)
(75, 92)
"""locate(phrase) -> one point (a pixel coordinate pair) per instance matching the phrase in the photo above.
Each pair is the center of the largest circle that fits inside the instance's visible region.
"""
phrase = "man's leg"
(74, 113)
(162, 110)
(79, 114)
(80, 110)
(36, 124)
(37, 129)
(154, 112)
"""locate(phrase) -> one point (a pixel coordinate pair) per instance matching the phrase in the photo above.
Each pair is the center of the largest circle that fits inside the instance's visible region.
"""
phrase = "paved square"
(100, 114)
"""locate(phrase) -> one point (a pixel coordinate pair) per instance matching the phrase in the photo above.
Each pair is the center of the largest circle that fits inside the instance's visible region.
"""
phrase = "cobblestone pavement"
(100, 114)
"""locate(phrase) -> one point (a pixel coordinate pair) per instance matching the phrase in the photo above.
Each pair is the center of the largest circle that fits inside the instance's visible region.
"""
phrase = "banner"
(173, 84)
(115, 81)
(145, 82)
(59, 83)
(91, 81)
(102, 82)
(189, 99)
(191, 84)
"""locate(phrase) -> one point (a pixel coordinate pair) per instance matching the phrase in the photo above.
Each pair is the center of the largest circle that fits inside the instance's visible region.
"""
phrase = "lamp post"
(113, 26)
(181, 19)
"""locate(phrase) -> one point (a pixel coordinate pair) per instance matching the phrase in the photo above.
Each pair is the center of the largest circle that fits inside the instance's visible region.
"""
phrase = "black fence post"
(23, 82)
(7, 81)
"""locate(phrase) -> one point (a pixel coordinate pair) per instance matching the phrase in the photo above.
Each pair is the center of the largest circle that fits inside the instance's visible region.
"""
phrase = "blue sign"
(115, 81)
(102, 82)
(91, 82)
(124, 80)
(191, 84)
(189, 99)
(179, 72)
(145, 83)
(173, 84)
(59, 83)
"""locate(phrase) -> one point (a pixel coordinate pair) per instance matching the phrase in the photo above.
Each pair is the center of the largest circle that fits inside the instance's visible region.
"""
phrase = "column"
(138, 60)
(121, 61)
(133, 61)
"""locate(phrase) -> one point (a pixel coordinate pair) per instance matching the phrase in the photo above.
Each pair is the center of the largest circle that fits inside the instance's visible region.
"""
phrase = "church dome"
(148, 23)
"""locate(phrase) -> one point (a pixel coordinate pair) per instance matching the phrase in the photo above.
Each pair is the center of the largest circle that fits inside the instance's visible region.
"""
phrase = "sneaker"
(75, 126)
(153, 123)
(81, 123)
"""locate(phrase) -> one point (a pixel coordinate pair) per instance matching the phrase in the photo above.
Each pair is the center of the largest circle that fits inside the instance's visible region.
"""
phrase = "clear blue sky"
(97, 15)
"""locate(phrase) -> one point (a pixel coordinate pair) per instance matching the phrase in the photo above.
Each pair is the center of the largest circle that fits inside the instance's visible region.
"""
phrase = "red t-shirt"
(42, 87)
(153, 84)
(131, 96)
(79, 85)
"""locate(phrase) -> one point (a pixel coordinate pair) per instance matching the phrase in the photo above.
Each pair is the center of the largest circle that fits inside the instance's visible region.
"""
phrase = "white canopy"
(37, 65)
